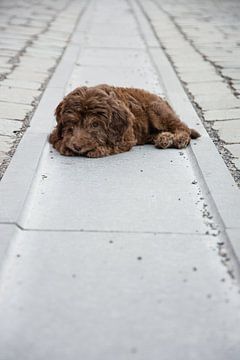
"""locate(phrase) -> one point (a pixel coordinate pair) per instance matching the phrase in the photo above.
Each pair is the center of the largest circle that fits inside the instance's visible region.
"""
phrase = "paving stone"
(189, 67)
(14, 111)
(217, 102)
(214, 87)
(113, 57)
(199, 77)
(111, 41)
(235, 150)
(13, 41)
(229, 131)
(7, 53)
(4, 61)
(42, 41)
(21, 84)
(7, 127)
(127, 76)
(6, 143)
(28, 60)
(233, 74)
(24, 30)
(3, 156)
(58, 35)
(12, 35)
(8, 46)
(29, 76)
(46, 49)
(4, 70)
(6, 67)
(16, 95)
(213, 115)
(130, 305)
(33, 69)
(37, 53)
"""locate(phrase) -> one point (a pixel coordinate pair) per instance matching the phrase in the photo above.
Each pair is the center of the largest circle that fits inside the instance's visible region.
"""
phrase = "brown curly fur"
(105, 120)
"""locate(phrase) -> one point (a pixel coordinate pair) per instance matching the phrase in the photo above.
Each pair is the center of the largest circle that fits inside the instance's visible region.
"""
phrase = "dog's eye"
(95, 124)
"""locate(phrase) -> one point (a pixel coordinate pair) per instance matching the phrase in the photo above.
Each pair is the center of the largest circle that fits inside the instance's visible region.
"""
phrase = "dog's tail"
(194, 134)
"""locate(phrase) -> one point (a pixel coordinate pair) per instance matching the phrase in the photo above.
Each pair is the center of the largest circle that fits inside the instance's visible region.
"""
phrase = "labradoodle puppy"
(105, 120)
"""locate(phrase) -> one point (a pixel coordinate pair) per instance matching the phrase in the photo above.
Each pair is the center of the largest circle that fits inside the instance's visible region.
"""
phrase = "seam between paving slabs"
(106, 231)
(17, 180)
(212, 170)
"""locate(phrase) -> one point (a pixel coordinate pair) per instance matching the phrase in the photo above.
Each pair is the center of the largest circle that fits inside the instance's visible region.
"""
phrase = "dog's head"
(91, 117)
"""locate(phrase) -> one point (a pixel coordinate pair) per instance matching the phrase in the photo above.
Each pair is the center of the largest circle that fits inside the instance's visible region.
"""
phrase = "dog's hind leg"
(172, 131)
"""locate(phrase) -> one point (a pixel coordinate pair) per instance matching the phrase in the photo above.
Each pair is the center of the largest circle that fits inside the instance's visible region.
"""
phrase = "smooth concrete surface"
(121, 257)
(117, 296)
(7, 234)
(145, 190)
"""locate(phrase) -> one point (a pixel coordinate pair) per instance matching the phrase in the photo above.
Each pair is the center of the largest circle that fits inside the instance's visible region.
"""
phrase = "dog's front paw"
(181, 140)
(66, 151)
(164, 140)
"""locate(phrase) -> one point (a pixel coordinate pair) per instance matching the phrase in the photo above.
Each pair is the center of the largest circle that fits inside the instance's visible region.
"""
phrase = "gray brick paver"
(7, 127)
(228, 130)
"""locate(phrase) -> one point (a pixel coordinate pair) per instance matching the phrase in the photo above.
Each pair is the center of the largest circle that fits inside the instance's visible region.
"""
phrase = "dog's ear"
(121, 119)
(58, 111)
(55, 135)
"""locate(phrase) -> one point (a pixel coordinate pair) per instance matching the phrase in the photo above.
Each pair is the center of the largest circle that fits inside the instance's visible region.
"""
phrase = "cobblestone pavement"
(33, 36)
(202, 40)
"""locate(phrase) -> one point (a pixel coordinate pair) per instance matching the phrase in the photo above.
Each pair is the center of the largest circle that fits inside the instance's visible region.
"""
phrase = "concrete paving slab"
(203, 76)
(234, 235)
(7, 235)
(113, 57)
(229, 130)
(125, 189)
(17, 74)
(22, 84)
(17, 180)
(5, 143)
(218, 102)
(140, 77)
(118, 296)
(235, 150)
(14, 111)
(7, 127)
(16, 95)
(112, 41)
(214, 115)
(214, 87)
